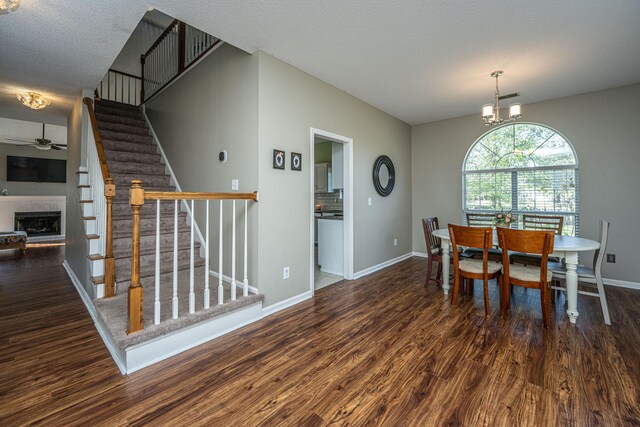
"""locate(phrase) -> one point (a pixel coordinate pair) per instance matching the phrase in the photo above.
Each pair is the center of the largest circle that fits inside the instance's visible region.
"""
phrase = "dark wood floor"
(382, 350)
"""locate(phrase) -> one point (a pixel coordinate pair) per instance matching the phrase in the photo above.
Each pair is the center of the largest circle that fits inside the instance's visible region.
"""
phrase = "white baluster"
(233, 253)
(245, 282)
(156, 308)
(192, 295)
(220, 288)
(207, 295)
(174, 301)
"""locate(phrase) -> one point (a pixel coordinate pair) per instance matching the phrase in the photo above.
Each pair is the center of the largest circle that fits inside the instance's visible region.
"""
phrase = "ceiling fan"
(39, 143)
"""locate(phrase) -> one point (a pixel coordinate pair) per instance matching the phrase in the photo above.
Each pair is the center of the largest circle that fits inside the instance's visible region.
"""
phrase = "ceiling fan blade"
(16, 142)
(511, 95)
(55, 147)
(59, 146)
(30, 141)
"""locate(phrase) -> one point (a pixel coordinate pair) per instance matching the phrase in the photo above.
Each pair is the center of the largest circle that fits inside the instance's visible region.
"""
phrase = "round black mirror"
(384, 175)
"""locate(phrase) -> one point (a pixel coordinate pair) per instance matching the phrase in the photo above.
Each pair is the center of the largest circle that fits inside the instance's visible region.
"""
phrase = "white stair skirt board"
(608, 282)
(382, 265)
(147, 353)
(239, 283)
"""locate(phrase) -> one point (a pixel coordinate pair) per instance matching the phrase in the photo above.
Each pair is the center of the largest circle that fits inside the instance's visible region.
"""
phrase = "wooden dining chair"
(470, 269)
(532, 242)
(434, 249)
(592, 276)
(482, 219)
(538, 222)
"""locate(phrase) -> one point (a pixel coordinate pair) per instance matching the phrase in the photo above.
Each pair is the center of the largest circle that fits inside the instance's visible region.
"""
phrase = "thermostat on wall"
(222, 156)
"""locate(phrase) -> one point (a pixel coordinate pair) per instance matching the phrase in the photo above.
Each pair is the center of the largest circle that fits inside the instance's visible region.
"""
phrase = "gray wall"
(76, 245)
(292, 102)
(605, 132)
(214, 107)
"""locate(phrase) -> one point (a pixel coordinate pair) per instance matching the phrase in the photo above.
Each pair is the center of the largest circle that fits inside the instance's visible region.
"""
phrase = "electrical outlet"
(395, 242)
(285, 273)
(234, 185)
(611, 258)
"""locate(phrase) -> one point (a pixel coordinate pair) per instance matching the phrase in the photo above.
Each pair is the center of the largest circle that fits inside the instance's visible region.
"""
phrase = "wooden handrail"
(96, 135)
(161, 37)
(125, 74)
(109, 193)
(189, 195)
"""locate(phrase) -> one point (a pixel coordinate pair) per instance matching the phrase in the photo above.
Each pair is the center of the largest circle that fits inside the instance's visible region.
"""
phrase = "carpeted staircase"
(132, 154)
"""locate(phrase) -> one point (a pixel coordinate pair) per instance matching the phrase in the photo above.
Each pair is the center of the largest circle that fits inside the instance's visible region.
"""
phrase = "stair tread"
(89, 218)
(97, 280)
(95, 257)
(86, 201)
(165, 248)
(91, 236)
(84, 186)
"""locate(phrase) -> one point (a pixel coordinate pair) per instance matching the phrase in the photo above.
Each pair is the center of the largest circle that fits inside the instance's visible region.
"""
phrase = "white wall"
(128, 60)
(292, 102)
(20, 129)
(605, 132)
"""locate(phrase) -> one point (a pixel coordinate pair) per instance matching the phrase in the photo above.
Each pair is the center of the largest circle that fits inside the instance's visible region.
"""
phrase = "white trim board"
(608, 282)
(227, 279)
(382, 265)
(102, 331)
(289, 302)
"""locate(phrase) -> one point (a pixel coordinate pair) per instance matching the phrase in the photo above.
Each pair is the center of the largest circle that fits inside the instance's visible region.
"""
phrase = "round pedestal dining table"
(566, 247)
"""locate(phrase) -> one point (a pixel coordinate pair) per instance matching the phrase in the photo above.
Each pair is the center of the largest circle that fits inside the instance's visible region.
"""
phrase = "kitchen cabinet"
(337, 166)
(322, 177)
(331, 245)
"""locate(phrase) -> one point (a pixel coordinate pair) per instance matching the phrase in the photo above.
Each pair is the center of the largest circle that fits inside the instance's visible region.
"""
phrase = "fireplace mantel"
(11, 204)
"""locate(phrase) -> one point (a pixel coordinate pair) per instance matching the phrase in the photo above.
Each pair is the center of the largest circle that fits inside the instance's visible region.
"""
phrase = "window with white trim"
(522, 168)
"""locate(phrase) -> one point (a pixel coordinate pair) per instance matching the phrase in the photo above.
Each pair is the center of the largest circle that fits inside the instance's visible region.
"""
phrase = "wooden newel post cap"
(136, 193)
(109, 188)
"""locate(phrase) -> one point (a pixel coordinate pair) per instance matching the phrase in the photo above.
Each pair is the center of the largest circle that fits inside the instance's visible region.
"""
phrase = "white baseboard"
(227, 279)
(419, 254)
(274, 308)
(382, 265)
(104, 334)
(621, 283)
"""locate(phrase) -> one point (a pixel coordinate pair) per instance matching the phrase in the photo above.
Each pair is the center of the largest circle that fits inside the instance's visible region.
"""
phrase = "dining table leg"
(571, 278)
(446, 257)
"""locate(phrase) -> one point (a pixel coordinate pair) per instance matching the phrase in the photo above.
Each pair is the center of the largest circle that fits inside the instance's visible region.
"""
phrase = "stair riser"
(124, 120)
(90, 226)
(122, 156)
(121, 127)
(123, 136)
(122, 193)
(136, 168)
(136, 115)
(123, 245)
(128, 147)
(148, 181)
(150, 223)
(96, 267)
(87, 209)
(93, 246)
(166, 281)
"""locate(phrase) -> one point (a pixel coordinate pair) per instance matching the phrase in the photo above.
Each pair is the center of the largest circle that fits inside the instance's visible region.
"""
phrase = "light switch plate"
(235, 185)
(369, 201)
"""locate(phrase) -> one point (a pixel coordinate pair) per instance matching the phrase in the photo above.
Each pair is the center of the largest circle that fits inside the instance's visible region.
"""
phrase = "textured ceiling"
(418, 60)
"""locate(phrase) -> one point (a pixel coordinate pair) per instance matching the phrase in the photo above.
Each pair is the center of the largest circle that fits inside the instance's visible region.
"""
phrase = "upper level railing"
(137, 198)
(119, 86)
(103, 190)
(177, 49)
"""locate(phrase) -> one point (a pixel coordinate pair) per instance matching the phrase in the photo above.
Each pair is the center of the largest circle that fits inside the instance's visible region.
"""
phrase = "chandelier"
(491, 112)
(33, 100)
(8, 5)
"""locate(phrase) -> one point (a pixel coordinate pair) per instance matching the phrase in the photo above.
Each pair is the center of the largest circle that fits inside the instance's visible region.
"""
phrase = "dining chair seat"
(475, 266)
(527, 273)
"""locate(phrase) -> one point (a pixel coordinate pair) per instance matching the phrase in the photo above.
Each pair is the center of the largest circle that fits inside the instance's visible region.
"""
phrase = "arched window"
(522, 168)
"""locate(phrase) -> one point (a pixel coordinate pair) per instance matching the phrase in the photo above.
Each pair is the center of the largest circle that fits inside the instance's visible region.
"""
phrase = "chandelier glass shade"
(491, 112)
(8, 5)
(33, 100)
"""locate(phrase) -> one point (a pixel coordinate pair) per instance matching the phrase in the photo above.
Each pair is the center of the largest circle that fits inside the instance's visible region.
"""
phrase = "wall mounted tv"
(32, 169)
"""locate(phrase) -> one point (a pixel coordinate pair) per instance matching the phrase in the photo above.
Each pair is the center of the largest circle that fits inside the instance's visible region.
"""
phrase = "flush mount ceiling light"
(8, 5)
(33, 100)
(491, 112)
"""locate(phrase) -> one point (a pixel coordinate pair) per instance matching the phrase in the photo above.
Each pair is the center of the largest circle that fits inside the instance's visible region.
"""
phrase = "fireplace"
(38, 223)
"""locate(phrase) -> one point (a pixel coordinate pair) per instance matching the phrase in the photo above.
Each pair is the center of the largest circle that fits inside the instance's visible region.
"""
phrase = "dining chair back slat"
(477, 219)
(542, 222)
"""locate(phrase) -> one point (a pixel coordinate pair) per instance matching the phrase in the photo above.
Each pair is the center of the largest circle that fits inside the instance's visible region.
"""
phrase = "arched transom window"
(522, 168)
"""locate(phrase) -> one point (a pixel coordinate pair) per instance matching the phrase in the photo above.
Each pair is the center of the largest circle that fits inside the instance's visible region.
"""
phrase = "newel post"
(134, 304)
(109, 261)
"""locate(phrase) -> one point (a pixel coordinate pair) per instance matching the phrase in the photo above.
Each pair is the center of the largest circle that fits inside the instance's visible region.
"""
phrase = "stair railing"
(103, 190)
(119, 86)
(178, 47)
(137, 197)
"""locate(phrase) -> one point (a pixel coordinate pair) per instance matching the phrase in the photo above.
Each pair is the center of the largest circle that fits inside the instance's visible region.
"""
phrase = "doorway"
(331, 208)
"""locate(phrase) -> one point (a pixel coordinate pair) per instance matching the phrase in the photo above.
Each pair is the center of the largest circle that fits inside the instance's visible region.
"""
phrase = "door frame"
(347, 200)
